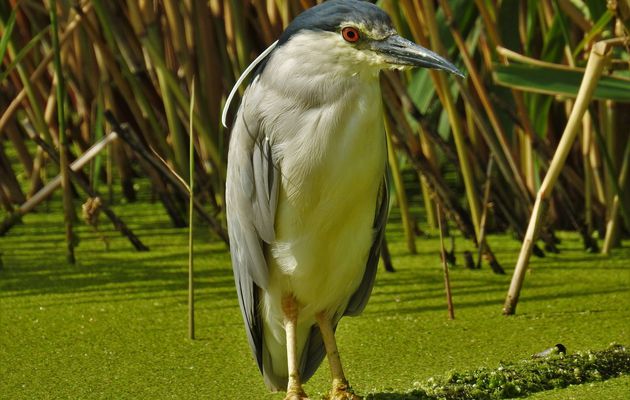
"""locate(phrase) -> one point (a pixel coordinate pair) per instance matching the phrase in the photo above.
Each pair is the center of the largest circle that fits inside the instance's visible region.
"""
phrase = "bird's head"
(336, 39)
(355, 36)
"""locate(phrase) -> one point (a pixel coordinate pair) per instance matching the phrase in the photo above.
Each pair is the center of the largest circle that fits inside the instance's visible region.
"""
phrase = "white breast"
(332, 160)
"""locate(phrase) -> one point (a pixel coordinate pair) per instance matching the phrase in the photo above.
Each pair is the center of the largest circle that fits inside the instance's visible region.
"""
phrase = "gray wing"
(315, 350)
(359, 299)
(251, 199)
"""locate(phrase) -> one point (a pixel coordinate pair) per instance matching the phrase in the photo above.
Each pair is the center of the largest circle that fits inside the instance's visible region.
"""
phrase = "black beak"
(400, 51)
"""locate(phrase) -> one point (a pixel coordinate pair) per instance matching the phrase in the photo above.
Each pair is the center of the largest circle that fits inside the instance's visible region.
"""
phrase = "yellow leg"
(294, 387)
(341, 389)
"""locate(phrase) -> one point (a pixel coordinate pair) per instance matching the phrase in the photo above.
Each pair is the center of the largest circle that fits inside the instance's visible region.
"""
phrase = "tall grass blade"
(401, 196)
(191, 209)
(597, 29)
(7, 30)
(539, 79)
(24, 51)
(68, 206)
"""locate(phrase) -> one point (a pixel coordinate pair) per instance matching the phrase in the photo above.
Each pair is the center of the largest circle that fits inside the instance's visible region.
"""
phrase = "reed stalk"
(429, 204)
(447, 280)
(594, 68)
(68, 205)
(136, 61)
(39, 72)
(504, 156)
(191, 211)
(587, 142)
(401, 195)
(454, 118)
(613, 218)
(124, 80)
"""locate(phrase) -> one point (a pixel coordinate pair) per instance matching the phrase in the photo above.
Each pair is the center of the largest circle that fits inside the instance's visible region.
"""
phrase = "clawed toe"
(343, 391)
(296, 395)
(344, 395)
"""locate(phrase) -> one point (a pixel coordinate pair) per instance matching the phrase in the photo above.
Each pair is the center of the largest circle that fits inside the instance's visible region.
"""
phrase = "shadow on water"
(35, 264)
(151, 272)
(397, 396)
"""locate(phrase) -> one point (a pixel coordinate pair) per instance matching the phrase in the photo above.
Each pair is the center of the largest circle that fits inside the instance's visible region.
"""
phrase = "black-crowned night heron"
(306, 185)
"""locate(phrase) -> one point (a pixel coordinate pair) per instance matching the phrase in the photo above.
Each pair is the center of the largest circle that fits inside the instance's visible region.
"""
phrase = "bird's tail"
(310, 350)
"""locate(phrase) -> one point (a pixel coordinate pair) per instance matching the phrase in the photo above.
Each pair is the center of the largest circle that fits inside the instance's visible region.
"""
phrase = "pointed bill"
(400, 51)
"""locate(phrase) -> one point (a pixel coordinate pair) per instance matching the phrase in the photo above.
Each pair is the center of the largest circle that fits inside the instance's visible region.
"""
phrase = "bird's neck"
(312, 77)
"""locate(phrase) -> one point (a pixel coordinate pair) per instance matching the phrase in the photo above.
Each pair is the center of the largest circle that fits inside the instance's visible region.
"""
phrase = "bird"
(306, 185)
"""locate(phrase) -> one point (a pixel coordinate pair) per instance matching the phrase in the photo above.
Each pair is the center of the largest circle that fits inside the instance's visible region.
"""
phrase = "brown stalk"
(613, 219)
(481, 91)
(41, 69)
(9, 185)
(399, 186)
(594, 68)
(81, 181)
(447, 100)
(447, 281)
(127, 134)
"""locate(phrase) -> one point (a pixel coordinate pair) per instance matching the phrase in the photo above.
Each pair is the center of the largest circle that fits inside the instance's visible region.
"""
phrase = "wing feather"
(359, 299)
(252, 197)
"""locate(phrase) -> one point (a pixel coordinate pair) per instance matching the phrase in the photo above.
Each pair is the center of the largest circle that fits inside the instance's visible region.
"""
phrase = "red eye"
(350, 34)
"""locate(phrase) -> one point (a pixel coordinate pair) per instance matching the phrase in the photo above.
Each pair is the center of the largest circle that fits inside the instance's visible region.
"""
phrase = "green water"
(115, 325)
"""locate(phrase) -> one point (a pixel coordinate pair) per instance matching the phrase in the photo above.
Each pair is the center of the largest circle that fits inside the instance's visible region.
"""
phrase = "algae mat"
(114, 326)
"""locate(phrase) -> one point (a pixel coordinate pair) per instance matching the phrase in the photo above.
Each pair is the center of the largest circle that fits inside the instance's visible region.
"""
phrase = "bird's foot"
(342, 391)
(296, 394)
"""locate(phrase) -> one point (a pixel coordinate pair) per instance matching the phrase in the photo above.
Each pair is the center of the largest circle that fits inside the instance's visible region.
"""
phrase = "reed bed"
(130, 67)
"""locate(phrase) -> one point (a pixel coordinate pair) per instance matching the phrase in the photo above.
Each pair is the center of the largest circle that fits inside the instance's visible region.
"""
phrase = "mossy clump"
(526, 377)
